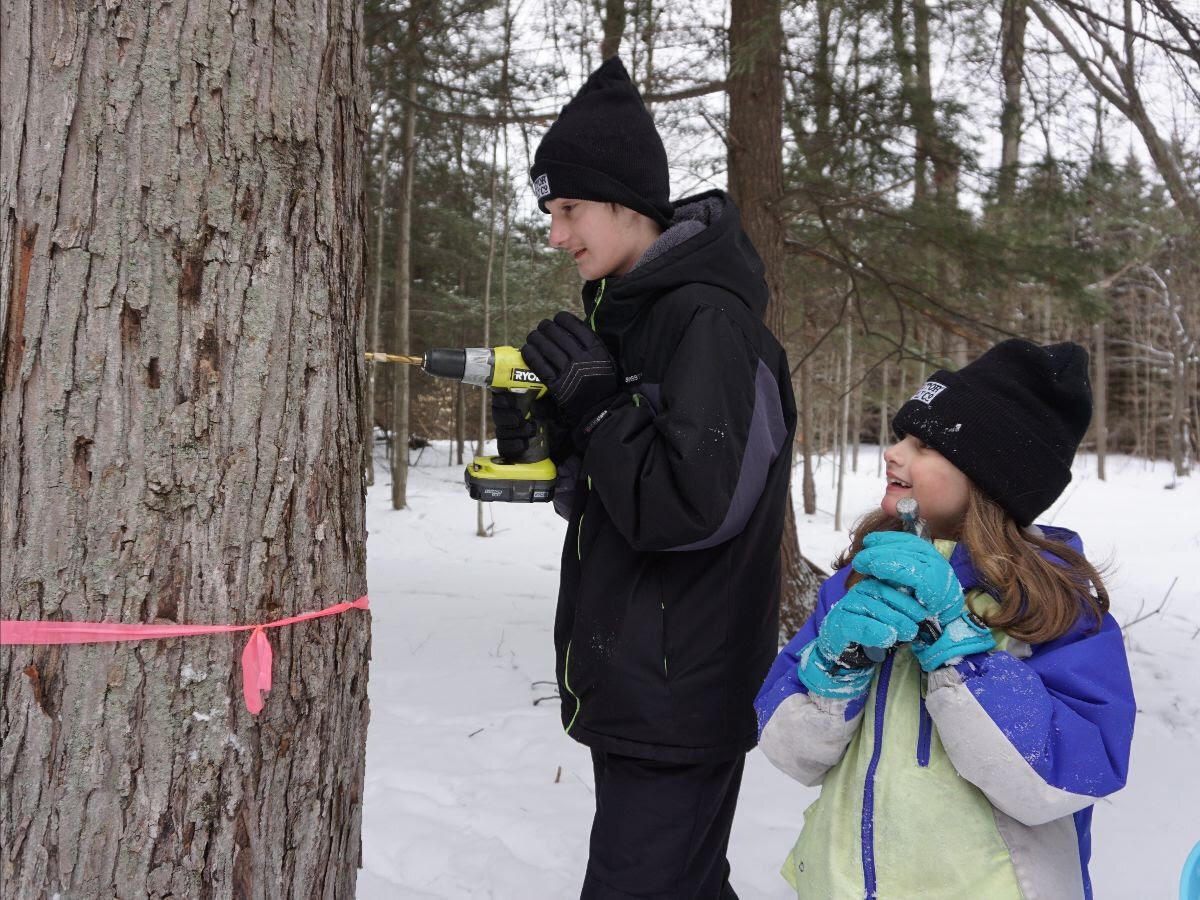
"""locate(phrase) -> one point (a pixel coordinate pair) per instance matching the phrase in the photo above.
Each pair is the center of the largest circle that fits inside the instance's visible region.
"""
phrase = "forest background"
(923, 179)
(208, 212)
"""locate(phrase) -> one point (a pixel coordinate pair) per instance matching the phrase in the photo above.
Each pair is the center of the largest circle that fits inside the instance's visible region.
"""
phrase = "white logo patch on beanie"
(928, 391)
(541, 187)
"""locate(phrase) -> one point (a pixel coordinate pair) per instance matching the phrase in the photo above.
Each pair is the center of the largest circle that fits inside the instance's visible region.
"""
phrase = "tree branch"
(1088, 12)
(1098, 79)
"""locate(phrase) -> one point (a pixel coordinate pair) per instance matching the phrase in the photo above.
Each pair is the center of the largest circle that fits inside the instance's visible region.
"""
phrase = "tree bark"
(756, 183)
(808, 442)
(400, 379)
(843, 426)
(614, 28)
(1100, 423)
(1013, 16)
(481, 529)
(181, 289)
(373, 314)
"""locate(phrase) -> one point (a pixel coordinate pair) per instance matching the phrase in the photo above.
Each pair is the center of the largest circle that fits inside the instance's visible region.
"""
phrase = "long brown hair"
(1039, 599)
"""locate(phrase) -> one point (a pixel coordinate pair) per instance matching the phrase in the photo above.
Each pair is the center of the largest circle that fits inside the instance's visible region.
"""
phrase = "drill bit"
(393, 358)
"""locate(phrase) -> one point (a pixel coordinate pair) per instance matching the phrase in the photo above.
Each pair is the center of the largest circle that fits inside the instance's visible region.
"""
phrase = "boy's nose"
(558, 234)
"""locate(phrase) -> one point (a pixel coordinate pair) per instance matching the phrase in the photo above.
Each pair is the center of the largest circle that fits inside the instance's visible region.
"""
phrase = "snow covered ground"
(473, 790)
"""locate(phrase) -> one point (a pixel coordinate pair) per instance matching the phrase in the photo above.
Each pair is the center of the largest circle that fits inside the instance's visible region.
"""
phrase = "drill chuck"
(470, 365)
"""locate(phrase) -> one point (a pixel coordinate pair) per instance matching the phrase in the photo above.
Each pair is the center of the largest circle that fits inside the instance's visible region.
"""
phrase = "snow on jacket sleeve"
(802, 734)
(1042, 737)
(684, 466)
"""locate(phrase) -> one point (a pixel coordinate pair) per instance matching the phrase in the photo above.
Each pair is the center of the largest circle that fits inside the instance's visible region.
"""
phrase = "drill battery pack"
(490, 478)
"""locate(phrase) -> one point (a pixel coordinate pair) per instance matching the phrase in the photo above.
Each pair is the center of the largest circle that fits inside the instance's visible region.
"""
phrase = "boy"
(672, 423)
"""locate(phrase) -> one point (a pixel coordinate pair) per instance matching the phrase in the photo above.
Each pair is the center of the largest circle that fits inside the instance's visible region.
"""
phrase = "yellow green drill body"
(528, 478)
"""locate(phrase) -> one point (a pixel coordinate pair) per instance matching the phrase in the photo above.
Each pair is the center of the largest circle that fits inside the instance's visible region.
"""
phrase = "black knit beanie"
(604, 146)
(1010, 421)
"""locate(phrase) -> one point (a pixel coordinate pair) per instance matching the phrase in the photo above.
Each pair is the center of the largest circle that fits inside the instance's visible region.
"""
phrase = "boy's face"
(939, 487)
(604, 239)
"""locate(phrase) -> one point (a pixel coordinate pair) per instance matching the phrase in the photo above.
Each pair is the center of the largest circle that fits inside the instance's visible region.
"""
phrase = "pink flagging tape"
(256, 657)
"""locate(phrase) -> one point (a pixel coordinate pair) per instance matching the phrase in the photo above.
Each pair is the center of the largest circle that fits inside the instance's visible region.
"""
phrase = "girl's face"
(604, 239)
(940, 489)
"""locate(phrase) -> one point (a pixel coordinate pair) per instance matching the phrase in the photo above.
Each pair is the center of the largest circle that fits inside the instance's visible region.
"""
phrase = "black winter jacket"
(668, 607)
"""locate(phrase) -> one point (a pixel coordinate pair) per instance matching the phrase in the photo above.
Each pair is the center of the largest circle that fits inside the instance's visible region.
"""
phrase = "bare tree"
(181, 287)
(1115, 72)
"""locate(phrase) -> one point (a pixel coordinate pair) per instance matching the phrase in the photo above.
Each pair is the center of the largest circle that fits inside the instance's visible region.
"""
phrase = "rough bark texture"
(756, 183)
(180, 293)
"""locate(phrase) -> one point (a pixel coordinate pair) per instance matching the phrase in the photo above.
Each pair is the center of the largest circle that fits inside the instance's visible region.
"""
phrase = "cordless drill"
(528, 477)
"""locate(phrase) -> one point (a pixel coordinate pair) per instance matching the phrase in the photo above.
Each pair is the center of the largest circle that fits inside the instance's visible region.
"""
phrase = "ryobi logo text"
(526, 376)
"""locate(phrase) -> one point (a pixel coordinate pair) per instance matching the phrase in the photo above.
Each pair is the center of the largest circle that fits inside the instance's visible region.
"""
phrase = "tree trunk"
(614, 28)
(1013, 16)
(481, 530)
(906, 65)
(1100, 423)
(756, 183)
(181, 289)
(843, 427)
(373, 315)
(807, 442)
(400, 379)
(856, 423)
(884, 421)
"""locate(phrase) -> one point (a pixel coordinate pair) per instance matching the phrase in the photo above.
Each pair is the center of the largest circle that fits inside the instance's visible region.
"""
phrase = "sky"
(1058, 107)
(474, 791)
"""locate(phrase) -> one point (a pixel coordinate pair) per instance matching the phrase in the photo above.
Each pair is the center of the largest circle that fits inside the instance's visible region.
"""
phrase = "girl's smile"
(939, 487)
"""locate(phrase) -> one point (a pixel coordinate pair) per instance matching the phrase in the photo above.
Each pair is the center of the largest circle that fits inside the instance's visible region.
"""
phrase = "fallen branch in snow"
(1154, 612)
(554, 696)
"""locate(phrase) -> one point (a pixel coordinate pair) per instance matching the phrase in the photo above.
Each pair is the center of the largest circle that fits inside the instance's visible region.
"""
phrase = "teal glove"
(962, 635)
(949, 630)
(870, 615)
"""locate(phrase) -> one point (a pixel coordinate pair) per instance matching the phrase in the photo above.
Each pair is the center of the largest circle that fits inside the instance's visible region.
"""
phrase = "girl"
(966, 761)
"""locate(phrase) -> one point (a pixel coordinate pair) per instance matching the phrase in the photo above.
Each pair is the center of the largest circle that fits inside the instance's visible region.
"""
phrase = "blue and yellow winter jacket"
(974, 781)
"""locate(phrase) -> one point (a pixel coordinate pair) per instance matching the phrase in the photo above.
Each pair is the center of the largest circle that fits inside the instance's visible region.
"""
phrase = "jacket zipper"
(596, 308)
(924, 730)
(868, 805)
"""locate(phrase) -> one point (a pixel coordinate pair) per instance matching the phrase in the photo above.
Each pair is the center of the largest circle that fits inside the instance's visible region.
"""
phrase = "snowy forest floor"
(473, 790)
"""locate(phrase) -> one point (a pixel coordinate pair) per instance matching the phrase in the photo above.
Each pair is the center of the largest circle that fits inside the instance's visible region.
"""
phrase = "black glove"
(558, 432)
(514, 427)
(576, 368)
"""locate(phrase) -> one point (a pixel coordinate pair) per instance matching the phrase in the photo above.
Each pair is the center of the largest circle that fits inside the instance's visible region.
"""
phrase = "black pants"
(661, 829)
